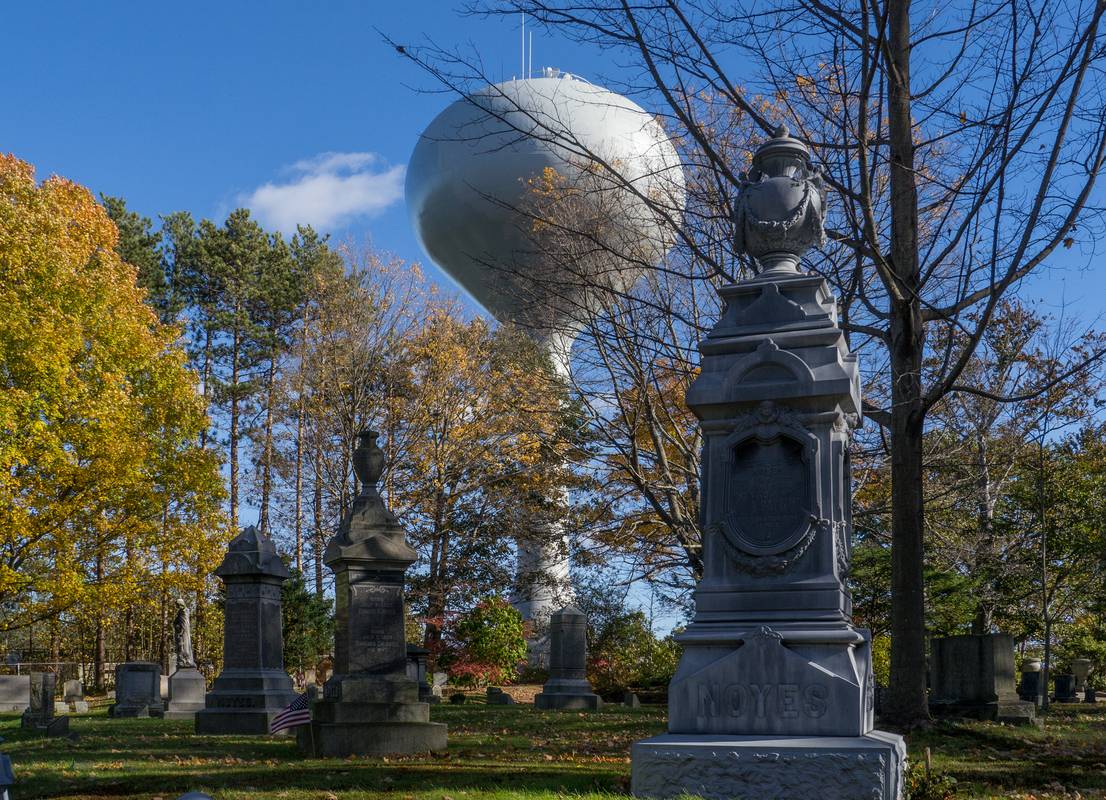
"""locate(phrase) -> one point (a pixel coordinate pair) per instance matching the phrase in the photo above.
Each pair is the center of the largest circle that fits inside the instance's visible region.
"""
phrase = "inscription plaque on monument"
(770, 484)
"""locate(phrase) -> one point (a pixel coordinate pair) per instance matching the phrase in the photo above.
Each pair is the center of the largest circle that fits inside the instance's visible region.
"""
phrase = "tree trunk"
(234, 427)
(205, 379)
(907, 702)
(99, 650)
(299, 481)
(318, 512)
(267, 448)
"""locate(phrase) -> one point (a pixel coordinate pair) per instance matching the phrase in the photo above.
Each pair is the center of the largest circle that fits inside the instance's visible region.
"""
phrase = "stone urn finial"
(368, 460)
(780, 205)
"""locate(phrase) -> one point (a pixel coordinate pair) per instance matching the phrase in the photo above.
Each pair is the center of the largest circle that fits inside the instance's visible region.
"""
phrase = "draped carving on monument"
(771, 508)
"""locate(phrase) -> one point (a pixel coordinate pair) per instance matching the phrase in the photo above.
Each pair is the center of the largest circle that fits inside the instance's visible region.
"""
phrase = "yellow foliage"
(101, 482)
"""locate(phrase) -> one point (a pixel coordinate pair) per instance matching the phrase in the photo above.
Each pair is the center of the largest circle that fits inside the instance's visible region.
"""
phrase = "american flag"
(297, 713)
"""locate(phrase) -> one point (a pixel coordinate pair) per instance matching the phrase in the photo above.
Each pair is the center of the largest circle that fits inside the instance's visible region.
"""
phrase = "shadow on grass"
(493, 750)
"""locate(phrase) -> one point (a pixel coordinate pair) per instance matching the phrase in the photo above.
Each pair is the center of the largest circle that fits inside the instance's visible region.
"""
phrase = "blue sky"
(298, 110)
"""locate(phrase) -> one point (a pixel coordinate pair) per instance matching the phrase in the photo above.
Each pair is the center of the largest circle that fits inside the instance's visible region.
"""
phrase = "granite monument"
(137, 690)
(370, 706)
(568, 687)
(15, 692)
(973, 676)
(253, 686)
(39, 717)
(773, 696)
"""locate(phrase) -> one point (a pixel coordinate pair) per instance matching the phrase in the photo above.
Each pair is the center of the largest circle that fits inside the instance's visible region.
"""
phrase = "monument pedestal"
(370, 715)
(769, 768)
(187, 690)
(253, 686)
(371, 705)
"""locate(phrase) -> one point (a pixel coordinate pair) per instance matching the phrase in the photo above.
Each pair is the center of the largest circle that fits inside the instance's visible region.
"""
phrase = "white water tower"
(471, 198)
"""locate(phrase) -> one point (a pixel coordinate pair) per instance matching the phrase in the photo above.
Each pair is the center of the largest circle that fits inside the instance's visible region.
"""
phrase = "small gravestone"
(137, 690)
(7, 777)
(73, 698)
(39, 717)
(186, 685)
(498, 697)
(416, 670)
(15, 692)
(568, 687)
(369, 706)
(437, 683)
(1080, 668)
(1065, 689)
(458, 698)
(1029, 687)
(631, 700)
(1089, 695)
(973, 676)
(253, 686)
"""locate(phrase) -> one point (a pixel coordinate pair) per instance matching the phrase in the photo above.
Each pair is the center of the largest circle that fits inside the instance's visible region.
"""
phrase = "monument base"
(58, 726)
(244, 702)
(370, 715)
(548, 701)
(568, 694)
(341, 739)
(769, 768)
(135, 710)
(1012, 712)
(187, 689)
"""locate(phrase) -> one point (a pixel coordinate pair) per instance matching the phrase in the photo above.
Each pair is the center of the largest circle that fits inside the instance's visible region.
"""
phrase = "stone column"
(568, 687)
(774, 694)
(253, 686)
(370, 706)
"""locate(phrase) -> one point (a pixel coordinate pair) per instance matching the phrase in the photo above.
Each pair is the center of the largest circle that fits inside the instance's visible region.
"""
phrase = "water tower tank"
(471, 173)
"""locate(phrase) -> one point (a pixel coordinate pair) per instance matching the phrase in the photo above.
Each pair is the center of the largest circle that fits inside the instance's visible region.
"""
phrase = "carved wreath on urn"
(771, 506)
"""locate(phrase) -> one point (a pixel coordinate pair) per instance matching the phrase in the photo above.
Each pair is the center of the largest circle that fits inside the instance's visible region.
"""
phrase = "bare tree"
(962, 145)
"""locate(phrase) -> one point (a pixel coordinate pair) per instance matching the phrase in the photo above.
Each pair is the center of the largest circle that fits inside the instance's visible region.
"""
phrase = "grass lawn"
(498, 752)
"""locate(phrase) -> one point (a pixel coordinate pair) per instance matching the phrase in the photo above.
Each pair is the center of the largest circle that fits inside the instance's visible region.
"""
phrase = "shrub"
(626, 653)
(485, 645)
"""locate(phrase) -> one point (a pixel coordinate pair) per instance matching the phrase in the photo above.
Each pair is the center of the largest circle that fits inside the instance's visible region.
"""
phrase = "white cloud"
(327, 191)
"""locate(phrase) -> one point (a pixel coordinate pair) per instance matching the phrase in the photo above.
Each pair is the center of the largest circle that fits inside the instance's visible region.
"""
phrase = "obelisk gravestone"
(773, 697)
(253, 686)
(370, 706)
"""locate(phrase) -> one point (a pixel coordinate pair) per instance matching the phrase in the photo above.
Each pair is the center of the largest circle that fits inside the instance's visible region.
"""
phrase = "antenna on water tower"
(522, 66)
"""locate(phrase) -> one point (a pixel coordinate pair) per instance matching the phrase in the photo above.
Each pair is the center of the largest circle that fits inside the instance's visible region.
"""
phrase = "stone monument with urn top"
(774, 694)
(253, 686)
(370, 706)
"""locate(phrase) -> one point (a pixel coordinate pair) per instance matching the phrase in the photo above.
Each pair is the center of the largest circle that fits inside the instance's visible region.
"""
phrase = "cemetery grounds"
(499, 752)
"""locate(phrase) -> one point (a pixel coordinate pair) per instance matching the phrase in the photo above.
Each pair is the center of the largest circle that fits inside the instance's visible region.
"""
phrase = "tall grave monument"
(253, 686)
(773, 697)
(370, 706)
